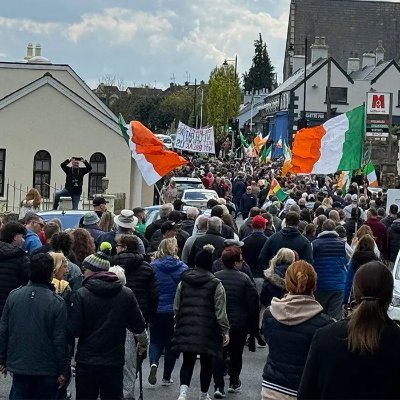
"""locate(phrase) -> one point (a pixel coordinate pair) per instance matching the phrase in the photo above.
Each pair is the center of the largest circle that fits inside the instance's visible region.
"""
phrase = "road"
(251, 378)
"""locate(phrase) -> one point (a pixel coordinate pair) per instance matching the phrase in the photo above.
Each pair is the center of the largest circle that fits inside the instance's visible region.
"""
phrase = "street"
(251, 378)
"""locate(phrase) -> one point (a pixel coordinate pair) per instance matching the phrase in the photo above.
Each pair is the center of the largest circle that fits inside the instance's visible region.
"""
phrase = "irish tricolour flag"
(369, 172)
(334, 146)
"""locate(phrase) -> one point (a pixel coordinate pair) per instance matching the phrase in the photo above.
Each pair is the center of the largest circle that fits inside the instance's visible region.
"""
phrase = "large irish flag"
(148, 151)
(334, 146)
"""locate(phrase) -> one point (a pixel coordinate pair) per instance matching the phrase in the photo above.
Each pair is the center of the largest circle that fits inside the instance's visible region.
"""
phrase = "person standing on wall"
(74, 181)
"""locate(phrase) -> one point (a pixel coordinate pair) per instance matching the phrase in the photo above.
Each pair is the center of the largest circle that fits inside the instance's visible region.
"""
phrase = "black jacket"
(287, 237)
(288, 343)
(210, 237)
(197, 328)
(33, 335)
(187, 225)
(350, 226)
(218, 265)
(251, 250)
(242, 302)
(332, 372)
(153, 227)
(14, 265)
(274, 284)
(181, 237)
(102, 310)
(394, 240)
(141, 279)
(74, 176)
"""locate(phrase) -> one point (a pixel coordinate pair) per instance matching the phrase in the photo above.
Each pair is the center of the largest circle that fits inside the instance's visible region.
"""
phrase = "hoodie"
(101, 311)
(288, 327)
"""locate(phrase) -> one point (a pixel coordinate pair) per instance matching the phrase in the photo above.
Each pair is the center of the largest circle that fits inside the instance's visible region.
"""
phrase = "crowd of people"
(308, 275)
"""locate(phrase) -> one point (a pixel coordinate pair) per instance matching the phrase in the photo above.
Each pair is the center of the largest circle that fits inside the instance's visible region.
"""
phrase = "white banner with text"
(196, 140)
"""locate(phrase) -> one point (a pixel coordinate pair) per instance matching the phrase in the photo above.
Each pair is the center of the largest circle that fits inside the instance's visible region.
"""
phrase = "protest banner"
(195, 140)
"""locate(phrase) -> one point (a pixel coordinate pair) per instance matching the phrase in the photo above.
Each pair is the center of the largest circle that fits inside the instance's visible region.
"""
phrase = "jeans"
(206, 368)
(237, 341)
(65, 193)
(94, 380)
(33, 387)
(332, 302)
(161, 334)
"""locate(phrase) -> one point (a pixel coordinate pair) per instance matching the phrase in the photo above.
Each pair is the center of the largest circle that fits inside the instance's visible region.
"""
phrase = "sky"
(144, 42)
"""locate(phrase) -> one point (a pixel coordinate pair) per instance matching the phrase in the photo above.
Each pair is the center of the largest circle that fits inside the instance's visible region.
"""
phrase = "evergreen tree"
(260, 75)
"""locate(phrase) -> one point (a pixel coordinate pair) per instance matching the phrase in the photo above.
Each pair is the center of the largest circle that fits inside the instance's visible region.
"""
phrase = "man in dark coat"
(74, 181)
(238, 189)
(289, 237)
(246, 229)
(140, 277)
(165, 210)
(33, 339)
(101, 311)
(379, 230)
(213, 236)
(242, 307)
(247, 202)
(394, 241)
(14, 262)
(389, 219)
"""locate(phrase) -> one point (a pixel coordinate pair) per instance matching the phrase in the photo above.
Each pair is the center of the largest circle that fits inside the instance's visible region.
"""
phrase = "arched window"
(42, 172)
(98, 163)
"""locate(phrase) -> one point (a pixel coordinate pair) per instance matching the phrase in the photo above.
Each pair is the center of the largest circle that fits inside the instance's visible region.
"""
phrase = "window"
(2, 170)
(42, 173)
(338, 95)
(98, 163)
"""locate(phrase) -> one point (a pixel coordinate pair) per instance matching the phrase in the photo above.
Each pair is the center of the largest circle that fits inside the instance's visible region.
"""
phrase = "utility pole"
(328, 90)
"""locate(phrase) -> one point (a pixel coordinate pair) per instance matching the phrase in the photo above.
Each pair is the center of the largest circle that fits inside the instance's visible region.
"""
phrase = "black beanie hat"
(204, 258)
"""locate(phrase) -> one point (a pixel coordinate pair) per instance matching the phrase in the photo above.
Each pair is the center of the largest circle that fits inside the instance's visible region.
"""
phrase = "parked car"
(69, 218)
(198, 197)
(152, 214)
(167, 141)
(394, 308)
(183, 183)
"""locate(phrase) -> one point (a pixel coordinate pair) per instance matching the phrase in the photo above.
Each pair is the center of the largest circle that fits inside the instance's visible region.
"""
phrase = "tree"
(223, 98)
(260, 75)
(178, 106)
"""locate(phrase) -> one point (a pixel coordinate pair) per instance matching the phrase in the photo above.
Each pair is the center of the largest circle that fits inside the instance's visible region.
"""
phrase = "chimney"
(319, 49)
(38, 50)
(368, 59)
(298, 62)
(379, 52)
(29, 51)
(353, 63)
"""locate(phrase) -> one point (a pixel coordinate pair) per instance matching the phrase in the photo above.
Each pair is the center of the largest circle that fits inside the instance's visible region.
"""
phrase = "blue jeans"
(33, 387)
(161, 334)
(65, 193)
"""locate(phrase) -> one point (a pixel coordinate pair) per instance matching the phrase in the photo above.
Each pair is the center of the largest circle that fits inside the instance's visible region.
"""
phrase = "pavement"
(251, 377)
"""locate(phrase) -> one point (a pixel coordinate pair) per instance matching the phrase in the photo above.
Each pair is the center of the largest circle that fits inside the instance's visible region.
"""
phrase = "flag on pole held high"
(369, 172)
(287, 164)
(152, 160)
(334, 146)
(124, 128)
(243, 141)
(276, 190)
(265, 155)
(344, 181)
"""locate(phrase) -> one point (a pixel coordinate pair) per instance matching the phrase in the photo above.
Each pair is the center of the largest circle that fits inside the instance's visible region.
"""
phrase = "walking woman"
(168, 269)
(357, 358)
(288, 328)
(201, 321)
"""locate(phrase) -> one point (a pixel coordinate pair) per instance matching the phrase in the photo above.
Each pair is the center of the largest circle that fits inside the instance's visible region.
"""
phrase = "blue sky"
(144, 41)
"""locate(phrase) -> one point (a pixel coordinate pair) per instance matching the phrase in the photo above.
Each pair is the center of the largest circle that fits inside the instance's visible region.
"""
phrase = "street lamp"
(187, 83)
(225, 64)
(291, 54)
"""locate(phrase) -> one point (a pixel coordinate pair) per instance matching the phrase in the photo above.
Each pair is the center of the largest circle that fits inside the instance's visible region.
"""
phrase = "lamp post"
(225, 64)
(292, 53)
(201, 86)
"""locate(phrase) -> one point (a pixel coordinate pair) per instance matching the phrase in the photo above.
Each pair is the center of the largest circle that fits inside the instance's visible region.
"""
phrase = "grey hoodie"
(294, 309)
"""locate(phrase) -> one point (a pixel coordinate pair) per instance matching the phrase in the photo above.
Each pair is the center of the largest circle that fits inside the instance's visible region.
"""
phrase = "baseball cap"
(259, 222)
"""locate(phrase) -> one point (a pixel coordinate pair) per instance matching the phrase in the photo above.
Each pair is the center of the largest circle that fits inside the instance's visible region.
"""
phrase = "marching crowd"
(308, 275)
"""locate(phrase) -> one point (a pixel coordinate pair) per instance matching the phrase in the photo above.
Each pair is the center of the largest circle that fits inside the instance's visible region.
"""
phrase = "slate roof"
(348, 25)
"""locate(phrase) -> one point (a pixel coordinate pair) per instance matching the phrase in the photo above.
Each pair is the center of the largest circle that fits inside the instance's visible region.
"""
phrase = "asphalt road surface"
(251, 378)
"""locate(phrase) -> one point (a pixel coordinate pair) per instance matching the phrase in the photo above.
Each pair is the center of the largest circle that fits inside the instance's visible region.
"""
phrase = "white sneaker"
(204, 396)
(183, 392)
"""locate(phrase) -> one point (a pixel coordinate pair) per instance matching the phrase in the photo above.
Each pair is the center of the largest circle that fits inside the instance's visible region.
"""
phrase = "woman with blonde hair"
(32, 202)
(289, 326)
(364, 230)
(357, 358)
(274, 282)
(168, 269)
(106, 221)
(59, 282)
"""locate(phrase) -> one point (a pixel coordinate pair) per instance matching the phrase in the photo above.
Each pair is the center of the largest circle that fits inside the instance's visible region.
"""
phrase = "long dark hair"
(373, 288)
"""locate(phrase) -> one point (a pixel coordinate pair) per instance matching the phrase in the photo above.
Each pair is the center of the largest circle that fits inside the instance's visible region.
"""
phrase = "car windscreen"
(167, 140)
(68, 221)
(198, 196)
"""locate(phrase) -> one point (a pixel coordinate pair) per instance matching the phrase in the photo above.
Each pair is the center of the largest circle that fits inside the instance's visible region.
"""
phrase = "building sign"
(378, 103)
(315, 115)
(378, 117)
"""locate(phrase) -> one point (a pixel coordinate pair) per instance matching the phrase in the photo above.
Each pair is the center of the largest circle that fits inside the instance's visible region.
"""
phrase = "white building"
(48, 114)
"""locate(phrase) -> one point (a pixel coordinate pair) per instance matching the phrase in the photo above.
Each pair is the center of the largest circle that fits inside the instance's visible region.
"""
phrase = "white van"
(167, 141)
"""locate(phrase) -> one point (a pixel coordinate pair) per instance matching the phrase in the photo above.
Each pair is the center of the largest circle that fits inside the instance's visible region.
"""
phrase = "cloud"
(27, 25)
(121, 26)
